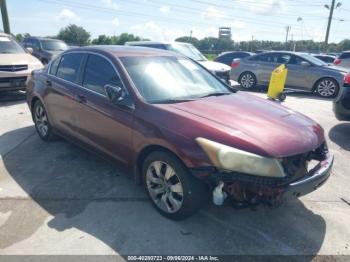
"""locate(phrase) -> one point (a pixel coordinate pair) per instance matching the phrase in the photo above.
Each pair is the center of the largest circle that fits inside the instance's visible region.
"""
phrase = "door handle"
(48, 83)
(80, 99)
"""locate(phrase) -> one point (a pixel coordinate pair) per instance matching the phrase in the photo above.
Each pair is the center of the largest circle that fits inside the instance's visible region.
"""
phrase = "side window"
(28, 43)
(54, 66)
(283, 58)
(36, 45)
(68, 68)
(295, 60)
(98, 73)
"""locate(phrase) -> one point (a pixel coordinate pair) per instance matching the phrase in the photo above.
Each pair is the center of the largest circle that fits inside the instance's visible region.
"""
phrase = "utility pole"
(331, 9)
(288, 27)
(329, 21)
(5, 17)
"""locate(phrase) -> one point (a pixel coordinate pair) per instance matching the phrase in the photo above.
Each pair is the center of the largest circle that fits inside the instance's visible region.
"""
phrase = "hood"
(215, 66)
(249, 120)
(18, 59)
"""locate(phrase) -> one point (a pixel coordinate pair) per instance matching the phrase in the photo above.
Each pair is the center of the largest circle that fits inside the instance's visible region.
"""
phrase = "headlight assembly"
(233, 159)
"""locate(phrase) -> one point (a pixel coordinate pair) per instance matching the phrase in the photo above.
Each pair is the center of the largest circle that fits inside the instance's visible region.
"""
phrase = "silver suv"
(305, 72)
(343, 60)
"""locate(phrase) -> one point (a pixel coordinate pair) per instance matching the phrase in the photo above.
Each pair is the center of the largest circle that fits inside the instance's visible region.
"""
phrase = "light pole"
(300, 19)
(331, 9)
(5, 18)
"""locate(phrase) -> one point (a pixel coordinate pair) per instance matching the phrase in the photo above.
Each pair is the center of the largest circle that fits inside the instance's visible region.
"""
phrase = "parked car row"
(305, 72)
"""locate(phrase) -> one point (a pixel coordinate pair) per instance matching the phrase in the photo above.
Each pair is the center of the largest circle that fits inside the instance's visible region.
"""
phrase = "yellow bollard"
(277, 82)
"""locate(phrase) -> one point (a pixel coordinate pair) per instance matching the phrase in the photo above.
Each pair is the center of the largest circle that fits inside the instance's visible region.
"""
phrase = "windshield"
(313, 60)
(187, 50)
(53, 45)
(167, 78)
(9, 46)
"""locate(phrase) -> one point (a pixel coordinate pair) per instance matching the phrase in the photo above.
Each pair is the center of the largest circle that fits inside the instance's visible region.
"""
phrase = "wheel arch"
(146, 151)
(322, 78)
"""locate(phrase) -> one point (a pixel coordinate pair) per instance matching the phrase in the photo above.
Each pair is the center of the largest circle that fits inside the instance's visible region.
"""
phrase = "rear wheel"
(327, 87)
(173, 191)
(247, 80)
(41, 122)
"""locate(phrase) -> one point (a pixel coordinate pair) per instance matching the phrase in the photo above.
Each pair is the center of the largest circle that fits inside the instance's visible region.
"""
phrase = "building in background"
(225, 32)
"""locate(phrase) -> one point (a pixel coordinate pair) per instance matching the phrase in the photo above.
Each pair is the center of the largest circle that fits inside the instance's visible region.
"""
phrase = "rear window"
(68, 68)
(344, 55)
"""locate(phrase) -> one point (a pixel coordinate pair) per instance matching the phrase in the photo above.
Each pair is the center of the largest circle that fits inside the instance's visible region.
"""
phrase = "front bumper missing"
(312, 180)
(285, 187)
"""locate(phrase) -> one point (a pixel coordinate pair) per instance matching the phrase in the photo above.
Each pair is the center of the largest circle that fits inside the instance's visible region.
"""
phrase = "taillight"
(234, 64)
(347, 79)
(337, 61)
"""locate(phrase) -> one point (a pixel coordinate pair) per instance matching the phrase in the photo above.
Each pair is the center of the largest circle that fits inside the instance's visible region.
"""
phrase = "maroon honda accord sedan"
(186, 136)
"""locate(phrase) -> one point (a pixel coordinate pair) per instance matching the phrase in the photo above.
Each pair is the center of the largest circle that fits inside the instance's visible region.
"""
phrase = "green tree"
(125, 37)
(75, 35)
(102, 40)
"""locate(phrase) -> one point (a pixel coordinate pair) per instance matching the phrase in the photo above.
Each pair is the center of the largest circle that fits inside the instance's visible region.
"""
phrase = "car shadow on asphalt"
(340, 134)
(73, 188)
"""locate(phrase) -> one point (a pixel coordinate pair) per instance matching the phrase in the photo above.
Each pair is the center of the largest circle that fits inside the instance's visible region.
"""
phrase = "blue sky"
(167, 20)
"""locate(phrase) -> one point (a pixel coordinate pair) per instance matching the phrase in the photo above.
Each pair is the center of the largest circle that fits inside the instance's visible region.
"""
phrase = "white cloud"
(156, 32)
(265, 7)
(236, 24)
(110, 4)
(165, 9)
(213, 12)
(67, 15)
(115, 22)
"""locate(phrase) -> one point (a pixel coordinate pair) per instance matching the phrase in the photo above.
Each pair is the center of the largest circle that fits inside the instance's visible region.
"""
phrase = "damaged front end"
(304, 173)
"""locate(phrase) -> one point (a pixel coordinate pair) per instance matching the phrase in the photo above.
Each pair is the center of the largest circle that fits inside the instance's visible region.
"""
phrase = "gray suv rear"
(343, 60)
(305, 72)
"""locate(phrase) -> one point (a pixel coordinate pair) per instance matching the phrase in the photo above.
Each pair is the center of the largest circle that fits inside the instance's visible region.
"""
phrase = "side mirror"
(305, 64)
(30, 50)
(115, 94)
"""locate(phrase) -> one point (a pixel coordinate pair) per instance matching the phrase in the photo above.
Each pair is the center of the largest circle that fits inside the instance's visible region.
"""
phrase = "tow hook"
(219, 195)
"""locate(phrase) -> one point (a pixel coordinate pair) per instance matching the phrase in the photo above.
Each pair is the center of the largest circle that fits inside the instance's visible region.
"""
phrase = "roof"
(122, 51)
(42, 38)
(153, 43)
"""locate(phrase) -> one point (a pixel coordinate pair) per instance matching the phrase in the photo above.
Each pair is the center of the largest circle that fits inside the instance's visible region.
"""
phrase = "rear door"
(103, 125)
(263, 65)
(299, 77)
(61, 85)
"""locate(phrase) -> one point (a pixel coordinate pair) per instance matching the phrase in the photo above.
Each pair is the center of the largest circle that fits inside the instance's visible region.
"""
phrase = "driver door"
(102, 124)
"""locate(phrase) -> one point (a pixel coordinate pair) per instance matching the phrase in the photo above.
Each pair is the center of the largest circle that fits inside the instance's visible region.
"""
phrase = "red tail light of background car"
(347, 79)
(234, 64)
(337, 61)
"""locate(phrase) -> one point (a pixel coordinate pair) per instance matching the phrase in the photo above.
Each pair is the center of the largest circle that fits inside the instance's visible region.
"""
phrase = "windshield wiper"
(171, 101)
(216, 94)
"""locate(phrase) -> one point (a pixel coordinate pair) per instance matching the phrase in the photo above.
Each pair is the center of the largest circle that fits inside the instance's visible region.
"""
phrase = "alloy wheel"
(41, 120)
(247, 81)
(326, 88)
(164, 186)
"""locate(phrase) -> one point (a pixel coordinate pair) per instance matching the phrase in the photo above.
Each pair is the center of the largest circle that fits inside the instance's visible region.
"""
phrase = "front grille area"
(13, 68)
(13, 79)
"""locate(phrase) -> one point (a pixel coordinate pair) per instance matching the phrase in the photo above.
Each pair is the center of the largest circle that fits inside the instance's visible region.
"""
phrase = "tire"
(282, 97)
(173, 191)
(327, 87)
(247, 80)
(41, 121)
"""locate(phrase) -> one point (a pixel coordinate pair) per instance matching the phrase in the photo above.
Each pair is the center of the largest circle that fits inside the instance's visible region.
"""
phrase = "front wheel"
(327, 87)
(173, 191)
(247, 80)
